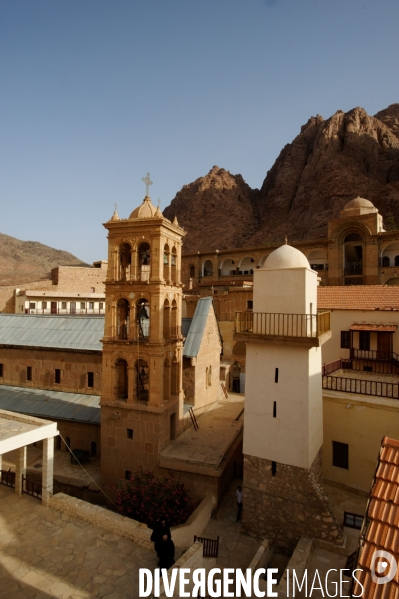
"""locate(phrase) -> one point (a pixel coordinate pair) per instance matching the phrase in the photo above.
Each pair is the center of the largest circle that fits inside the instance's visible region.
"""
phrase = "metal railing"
(372, 354)
(210, 546)
(284, 325)
(353, 268)
(331, 367)
(31, 487)
(361, 386)
(7, 478)
(66, 311)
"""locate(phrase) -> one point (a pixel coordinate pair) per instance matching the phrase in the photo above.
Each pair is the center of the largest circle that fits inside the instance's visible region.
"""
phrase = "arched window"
(143, 318)
(124, 262)
(122, 319)
(166, 265)
(173, 265)
(121, 380)
(208, 268)
(93, 448)
(166, 320)
(142, 379)
(192, 272)
(166, 380)
(144, 258)
(396, 260)
(174, 321)
(353, 237)
(385, 261)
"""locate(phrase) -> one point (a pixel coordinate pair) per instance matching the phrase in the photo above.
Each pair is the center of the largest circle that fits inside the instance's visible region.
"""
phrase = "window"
(93, 289)
(340, 455)
(90, 379)
(82, 305)
(57, 376)
(385, 261)
(345, 339)
(129, 433)
(274, 468)
(1, 371)
(63, 305)
(44, 305)
(276, 375)
(32, 305)
(91, 305)
(353, 520)
(396, 260)
(250, 304)
(101, 306)
(274, 409)
(364, 340)
(29, 373)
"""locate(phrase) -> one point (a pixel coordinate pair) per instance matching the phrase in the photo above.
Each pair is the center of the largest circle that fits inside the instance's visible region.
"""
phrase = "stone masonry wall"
(287, 506)
(80, 279)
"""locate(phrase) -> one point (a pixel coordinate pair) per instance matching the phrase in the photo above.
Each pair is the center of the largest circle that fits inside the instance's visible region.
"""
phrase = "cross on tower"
(115, 206)
(147, 182)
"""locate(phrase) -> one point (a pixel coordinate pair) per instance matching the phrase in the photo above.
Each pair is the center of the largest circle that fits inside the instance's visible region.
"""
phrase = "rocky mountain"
(25, 261)
(329, 163)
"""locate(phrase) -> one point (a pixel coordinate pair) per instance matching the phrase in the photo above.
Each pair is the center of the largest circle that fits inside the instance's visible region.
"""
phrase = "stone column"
(20, 469)
(48, 468)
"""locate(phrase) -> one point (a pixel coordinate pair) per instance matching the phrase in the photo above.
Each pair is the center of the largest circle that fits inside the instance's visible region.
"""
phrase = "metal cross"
(115, 206)
(147, 182)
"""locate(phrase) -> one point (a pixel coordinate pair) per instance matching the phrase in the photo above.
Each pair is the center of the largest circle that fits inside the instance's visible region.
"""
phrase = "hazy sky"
(96, 93)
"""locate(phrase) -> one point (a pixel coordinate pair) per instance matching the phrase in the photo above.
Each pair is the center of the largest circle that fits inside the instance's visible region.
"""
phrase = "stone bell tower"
(142, 398)
(283, 428)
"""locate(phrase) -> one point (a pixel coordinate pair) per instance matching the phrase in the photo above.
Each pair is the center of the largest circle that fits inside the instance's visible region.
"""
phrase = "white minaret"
(283, 426)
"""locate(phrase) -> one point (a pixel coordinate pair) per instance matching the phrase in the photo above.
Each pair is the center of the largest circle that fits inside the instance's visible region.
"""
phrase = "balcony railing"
(361, 386)
(66, 311)
(353, 268)
(372, 354)
(283, 325)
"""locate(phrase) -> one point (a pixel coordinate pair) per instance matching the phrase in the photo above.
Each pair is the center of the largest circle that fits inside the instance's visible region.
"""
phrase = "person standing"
(239, 495)
(159, 531)
(166, 552)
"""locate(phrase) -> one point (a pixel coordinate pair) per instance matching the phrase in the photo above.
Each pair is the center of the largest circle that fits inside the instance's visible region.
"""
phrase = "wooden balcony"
(293, 329)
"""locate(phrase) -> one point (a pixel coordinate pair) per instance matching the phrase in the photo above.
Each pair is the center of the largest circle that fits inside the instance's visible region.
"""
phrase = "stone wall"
(287, 506)
(183, 535)
(74, 367)
(80, 279)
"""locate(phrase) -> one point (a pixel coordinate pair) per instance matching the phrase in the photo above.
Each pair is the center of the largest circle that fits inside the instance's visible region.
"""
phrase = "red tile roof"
(358, 297)
(381, 529)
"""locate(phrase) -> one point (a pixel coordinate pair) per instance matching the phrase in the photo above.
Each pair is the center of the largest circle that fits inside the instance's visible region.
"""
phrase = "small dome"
(358, 203)
(286, 257)
(146, 210)
(115, 215)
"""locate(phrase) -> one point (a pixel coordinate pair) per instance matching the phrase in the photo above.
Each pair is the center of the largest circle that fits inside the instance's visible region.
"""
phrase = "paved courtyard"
(45, 554)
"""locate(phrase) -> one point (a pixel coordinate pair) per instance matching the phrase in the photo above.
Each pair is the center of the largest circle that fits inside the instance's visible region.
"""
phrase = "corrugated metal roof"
(61, 332)
(51, 404)
(196, 331)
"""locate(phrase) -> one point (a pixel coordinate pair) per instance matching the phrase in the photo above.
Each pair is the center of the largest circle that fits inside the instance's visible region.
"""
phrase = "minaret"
(142, 398)
(283, 427)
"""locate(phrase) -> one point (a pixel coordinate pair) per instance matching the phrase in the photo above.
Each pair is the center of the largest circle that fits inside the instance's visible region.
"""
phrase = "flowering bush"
(149, 499)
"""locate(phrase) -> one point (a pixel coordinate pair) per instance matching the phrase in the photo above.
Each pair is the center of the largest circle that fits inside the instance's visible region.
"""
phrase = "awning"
(386, 328)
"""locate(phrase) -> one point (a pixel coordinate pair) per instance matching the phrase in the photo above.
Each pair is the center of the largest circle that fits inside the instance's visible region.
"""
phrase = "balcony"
(304, 329)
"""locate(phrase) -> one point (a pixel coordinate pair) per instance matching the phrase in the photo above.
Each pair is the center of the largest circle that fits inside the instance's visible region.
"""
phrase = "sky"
(96, 93)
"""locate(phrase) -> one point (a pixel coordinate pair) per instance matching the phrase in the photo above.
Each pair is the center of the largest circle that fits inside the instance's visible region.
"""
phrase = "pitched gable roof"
(197, 328)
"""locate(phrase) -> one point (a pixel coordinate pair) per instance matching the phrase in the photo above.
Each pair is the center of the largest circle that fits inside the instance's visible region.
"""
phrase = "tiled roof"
(358, 297)
(381, 530)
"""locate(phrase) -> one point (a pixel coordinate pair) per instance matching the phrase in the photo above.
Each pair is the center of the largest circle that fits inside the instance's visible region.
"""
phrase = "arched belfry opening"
(142, 376)
(173, 265)
(166, 320)
(121, 380)
(122, 319)
(143, 318)
(175, 328)
(144, 258)
(166, 380)
(124, 262)
(166, 262)
(353, 254)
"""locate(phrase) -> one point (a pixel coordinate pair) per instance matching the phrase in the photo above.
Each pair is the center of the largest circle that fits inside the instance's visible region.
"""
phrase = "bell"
(143, 313)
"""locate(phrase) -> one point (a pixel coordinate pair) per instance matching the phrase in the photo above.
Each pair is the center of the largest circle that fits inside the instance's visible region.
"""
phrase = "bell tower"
(142, 398)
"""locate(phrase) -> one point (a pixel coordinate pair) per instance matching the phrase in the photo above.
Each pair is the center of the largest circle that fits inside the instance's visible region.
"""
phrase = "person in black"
(160, 529)
(166, 552)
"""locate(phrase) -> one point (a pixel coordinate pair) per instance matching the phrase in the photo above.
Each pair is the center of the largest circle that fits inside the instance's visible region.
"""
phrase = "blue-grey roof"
(197, 328)
(57, 332)
(51, 404)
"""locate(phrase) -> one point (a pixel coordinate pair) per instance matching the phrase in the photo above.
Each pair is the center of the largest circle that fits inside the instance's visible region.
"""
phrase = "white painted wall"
(285, 291)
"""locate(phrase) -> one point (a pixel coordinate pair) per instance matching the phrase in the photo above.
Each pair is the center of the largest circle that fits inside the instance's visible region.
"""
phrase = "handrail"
(281, 324)
(210, 546)
(361, 386)
(372, 354)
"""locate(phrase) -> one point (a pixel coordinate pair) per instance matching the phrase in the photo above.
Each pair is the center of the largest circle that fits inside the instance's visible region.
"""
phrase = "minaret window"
(144, 257)
(142, 379)
(124, 262)
(143, 318)
(123, 317)
(121, 373)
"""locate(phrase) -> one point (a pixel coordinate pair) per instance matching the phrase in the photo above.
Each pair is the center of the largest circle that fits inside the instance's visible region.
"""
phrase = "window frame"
(345, 339)
(340, 455)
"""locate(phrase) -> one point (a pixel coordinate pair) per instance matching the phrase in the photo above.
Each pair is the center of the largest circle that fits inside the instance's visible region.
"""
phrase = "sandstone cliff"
(329, 163)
